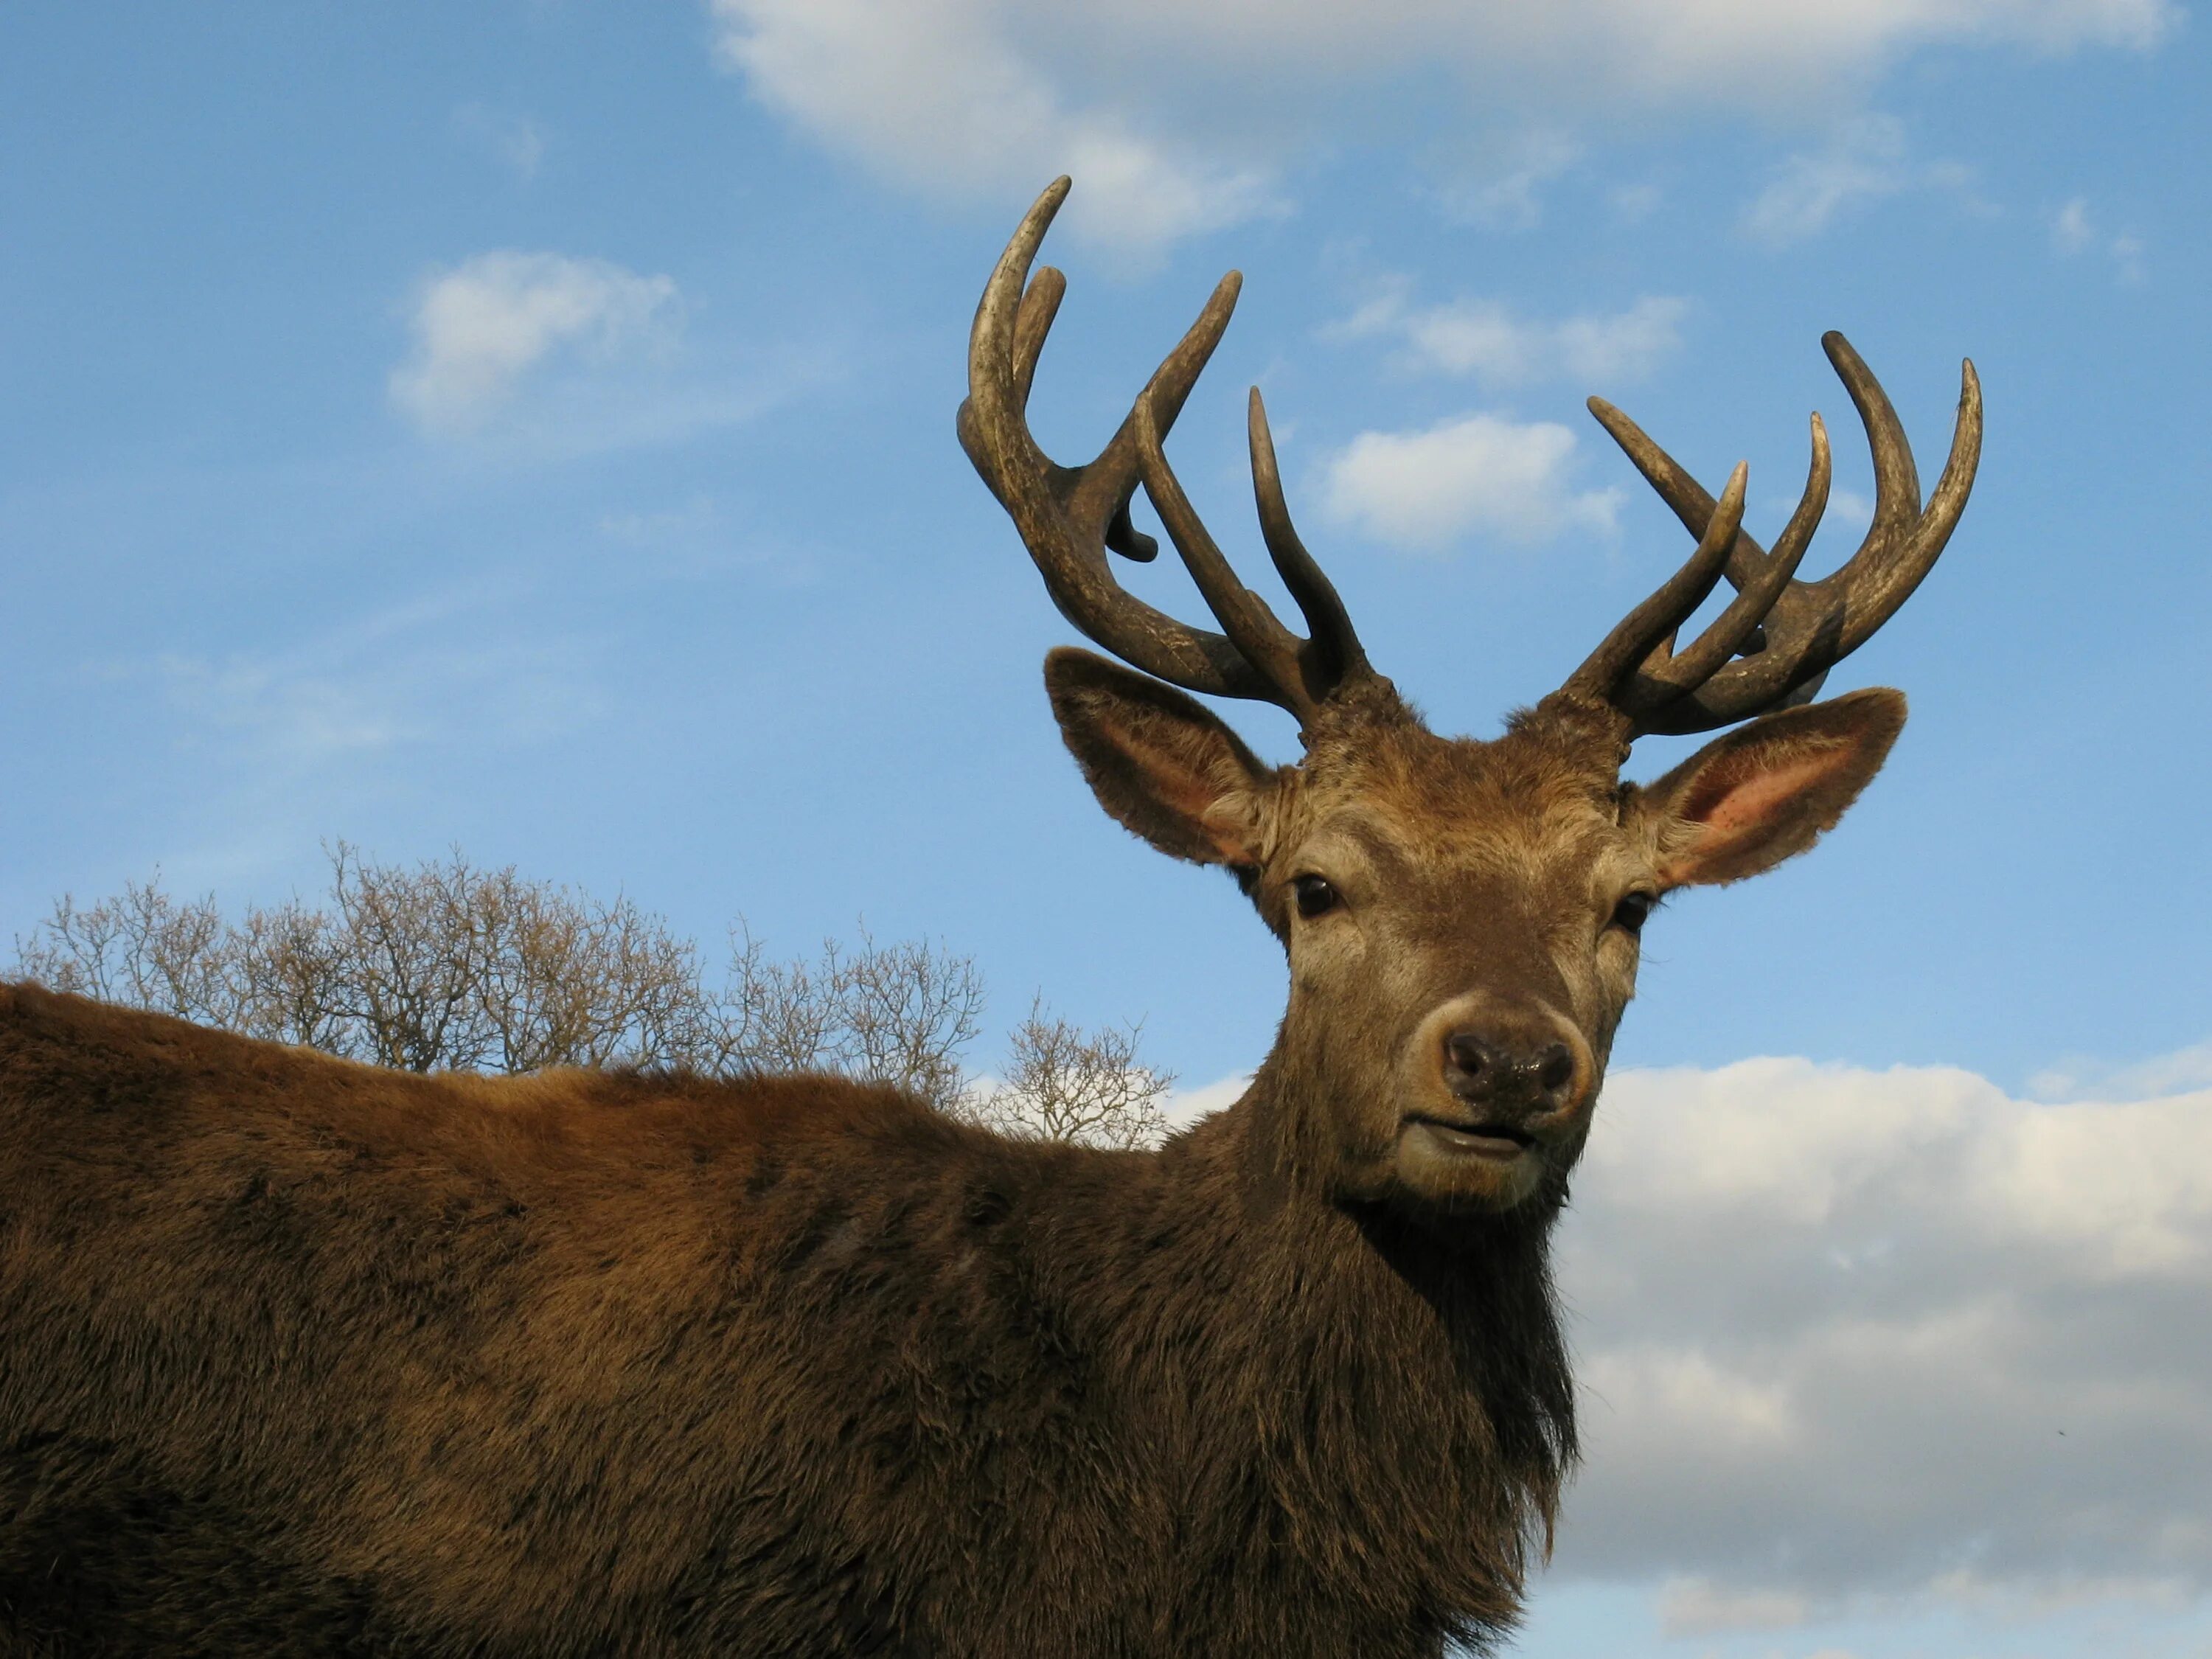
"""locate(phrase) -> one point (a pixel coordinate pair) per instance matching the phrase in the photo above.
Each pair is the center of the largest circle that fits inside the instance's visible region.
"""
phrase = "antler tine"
(1809, 627)
(1251, 626)
(1303, 671)
(1070, 517)
(1066, 514)
(1663, 678)
(1692, 505)
(1334, 652)
(1645, 630)
(1903, 543)
(1032, 322)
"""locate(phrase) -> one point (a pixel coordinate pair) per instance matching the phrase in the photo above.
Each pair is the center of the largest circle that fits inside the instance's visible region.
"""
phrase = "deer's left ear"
(1767, 791)
(1161, 762)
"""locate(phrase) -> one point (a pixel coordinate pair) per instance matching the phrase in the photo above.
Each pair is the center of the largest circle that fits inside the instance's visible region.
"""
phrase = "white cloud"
(409, 677)
(1185, 1107)
(1476, 473)
(1490, 340)
(1177, 118)
(1693, 1606)
(1501, 184)
(1848, 1333)
(1634, 203)
(936, 93)
(515, 140)
(484, 325)
(2081, 1080)
(1478, 337)
(1864, 162)
(2073, 231)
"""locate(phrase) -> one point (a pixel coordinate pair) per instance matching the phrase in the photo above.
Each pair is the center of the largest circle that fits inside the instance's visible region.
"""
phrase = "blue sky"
(528, 426)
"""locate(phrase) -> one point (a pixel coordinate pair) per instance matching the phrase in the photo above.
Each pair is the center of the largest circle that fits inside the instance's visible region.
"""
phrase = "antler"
(1785, 634)
(1068, 517)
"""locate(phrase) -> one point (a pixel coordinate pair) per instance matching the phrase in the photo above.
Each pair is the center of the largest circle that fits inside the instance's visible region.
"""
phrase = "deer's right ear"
(1163, 764)
(1769, 790)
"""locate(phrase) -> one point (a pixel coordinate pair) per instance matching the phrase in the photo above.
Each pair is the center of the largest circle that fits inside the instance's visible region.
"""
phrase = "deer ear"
(1160, 763)
(1767, 791)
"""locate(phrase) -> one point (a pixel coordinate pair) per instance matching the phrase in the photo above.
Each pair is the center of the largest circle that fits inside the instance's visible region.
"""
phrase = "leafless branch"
(449, 965)
(1063, 1083)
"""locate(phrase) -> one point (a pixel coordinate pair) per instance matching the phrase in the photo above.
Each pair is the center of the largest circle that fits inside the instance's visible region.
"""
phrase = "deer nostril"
(1558, 1069)
(1534, 1076)
(1466, 1055)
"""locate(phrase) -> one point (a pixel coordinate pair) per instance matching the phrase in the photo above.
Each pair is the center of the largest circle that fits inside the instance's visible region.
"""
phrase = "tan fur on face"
(1478, 883)
(1475, 875)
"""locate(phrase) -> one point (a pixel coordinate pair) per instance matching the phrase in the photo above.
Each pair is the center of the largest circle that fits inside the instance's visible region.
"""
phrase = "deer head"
(1461, 918)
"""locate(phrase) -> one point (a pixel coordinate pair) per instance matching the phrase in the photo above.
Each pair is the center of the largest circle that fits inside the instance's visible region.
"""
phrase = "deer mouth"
(1488, 1139)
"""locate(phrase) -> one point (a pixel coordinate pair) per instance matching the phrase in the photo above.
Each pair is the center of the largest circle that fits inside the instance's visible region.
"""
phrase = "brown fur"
(300, 1355)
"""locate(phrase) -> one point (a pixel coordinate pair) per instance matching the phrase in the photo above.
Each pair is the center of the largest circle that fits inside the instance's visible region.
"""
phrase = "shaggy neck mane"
(1392, 1369)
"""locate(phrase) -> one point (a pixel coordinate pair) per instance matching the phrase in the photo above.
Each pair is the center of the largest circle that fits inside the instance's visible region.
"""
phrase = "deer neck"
(1385, 1353)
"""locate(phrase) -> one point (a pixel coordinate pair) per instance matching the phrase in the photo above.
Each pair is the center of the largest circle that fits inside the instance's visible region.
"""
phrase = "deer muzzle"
(1498, 1090)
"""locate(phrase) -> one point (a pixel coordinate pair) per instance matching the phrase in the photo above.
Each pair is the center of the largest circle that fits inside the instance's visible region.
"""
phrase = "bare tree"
(141, 948)
(414, 959)
(487, 971)
(286, 962)
(774, 1016)
(1063, 1083)
(449, 965)
(901, 1013)
(908, 1010)
(443, 965)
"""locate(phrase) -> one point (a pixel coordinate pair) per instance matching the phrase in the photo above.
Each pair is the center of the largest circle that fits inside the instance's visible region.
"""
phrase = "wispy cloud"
(983, 96)
(422, 673)
(1865, 161)
(2073, 232)
(937, 94)
(1633, 204)
(484, 327)
(514, 140)
(1493, 341)
(2070, 231)
(1476, 474)
(1697, 1606)
(1502, 187)
(700, 537)
(2184, 1069)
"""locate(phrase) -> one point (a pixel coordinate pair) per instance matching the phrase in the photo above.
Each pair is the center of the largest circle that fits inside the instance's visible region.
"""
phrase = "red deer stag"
(299, 1355)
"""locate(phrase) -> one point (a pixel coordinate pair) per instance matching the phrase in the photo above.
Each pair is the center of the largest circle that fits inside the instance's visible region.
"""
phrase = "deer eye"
(1634, 908)
(1316, 898)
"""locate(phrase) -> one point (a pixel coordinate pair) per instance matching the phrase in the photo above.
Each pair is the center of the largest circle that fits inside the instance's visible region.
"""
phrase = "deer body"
(299, 1354)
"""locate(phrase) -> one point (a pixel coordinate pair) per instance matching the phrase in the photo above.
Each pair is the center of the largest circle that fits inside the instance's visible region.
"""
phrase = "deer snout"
(1494, 1097)
(1509, 1075)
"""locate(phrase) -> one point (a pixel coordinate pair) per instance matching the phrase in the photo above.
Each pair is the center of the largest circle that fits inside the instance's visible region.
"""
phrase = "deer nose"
(1490, 1071)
